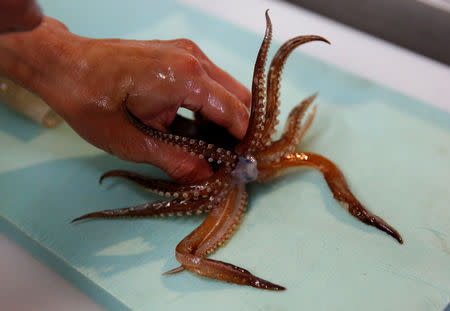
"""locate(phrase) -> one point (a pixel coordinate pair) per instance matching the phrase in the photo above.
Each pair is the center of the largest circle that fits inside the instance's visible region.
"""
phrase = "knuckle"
(59, 24)
(188, 45)
(192, 64)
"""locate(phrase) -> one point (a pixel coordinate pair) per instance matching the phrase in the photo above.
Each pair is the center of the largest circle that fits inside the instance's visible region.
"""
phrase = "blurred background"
(422, 26)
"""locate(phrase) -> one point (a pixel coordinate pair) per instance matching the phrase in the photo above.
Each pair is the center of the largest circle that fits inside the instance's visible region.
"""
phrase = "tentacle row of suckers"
(256, 158)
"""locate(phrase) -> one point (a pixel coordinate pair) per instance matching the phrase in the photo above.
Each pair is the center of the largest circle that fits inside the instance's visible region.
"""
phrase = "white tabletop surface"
(27, 284)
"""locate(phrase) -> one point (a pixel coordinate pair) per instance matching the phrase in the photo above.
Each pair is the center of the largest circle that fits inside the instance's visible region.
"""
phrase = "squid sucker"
(256, 158)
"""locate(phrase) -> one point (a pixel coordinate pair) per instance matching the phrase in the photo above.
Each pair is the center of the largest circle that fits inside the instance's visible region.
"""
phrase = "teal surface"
(394, 151)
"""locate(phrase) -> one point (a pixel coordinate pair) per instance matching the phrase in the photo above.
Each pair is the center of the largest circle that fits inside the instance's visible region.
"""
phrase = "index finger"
(218, 105)
(227, 81)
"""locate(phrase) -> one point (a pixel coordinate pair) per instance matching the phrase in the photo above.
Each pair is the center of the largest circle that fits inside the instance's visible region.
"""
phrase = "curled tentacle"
(170, 189)
(195, 147)
(159, 208)
(252, 139)
(337, 184)
(274, 79)
(294, 131)
(220, 234)
(216, 228)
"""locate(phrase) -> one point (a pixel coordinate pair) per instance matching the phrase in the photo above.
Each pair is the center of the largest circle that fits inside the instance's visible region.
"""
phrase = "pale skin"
(85, 80)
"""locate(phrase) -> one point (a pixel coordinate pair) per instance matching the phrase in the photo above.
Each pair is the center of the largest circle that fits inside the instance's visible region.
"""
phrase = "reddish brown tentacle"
(299, 132)
(216, 238)
(252, 139)
(174, 270)
(171, 189)
(218, 217)
(337, 184)
(294, 131)
(195, 147)
(274, 79)
(223, 271)
(232, 219)
(158, 208)
(217, 227)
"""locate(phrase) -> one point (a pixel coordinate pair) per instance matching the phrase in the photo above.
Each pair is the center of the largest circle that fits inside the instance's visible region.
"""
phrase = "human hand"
(19, 15)
(85, 81)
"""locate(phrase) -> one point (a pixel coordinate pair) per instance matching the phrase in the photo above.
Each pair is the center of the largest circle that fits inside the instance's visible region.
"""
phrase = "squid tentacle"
(252, 139)
(159, 208)
(293, 133)
(216, 228)
(221, 234)
(216, 269)
(171, 189)
(194, 146)
(337, 184)
(274, 81)
(218, 235)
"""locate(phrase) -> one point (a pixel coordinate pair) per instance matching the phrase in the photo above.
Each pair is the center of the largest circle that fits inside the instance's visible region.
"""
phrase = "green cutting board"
(394, 151)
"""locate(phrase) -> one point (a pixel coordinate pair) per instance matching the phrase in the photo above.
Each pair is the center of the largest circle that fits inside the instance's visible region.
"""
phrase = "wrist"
(41, 59)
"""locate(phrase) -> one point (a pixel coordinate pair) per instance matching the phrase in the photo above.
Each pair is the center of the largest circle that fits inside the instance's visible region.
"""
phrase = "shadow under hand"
(17, 125)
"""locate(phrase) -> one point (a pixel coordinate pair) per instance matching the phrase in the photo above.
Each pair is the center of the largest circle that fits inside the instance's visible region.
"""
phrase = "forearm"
(40, 60)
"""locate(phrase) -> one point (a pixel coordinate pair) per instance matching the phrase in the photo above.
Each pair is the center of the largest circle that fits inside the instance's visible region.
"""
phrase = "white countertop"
(26, 284)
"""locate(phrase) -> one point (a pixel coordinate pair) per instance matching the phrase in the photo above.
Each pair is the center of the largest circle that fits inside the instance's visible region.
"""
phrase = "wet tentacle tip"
(101, 214)
(100, 180)
(263, 284)
(78, 219)
(89, 216)
(174, 270)
(370, 219)
(107, 175)
(383, 226)
(313, 96)
(325, 40)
